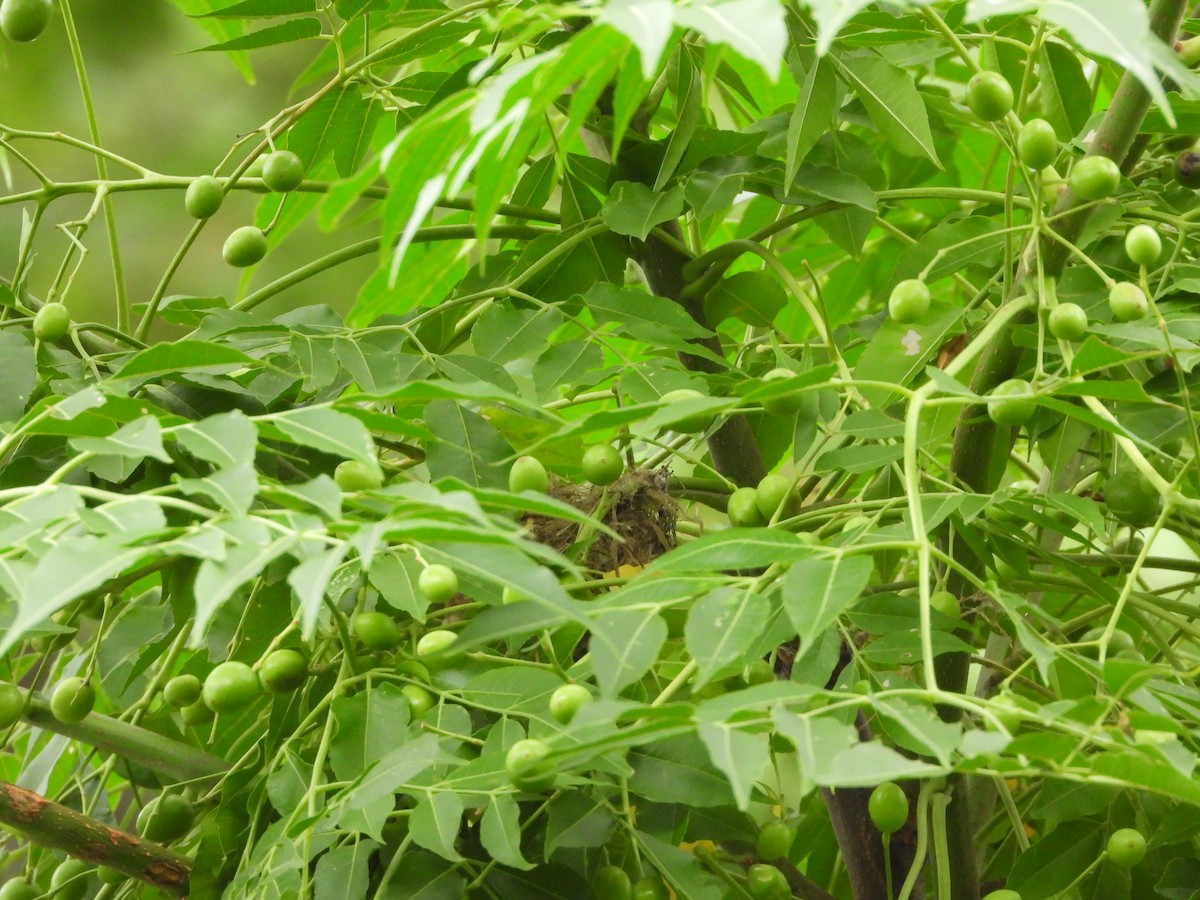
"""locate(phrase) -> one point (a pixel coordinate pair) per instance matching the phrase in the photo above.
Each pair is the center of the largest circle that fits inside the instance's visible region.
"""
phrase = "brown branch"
(50, 824)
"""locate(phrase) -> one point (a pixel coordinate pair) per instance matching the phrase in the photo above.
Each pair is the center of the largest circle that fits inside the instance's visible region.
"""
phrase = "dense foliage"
(762, 464)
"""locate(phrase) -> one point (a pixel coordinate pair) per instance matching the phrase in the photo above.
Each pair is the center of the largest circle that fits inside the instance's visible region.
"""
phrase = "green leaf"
(422, 876)
(816, 591)
(754, 28)
(500, 832)
(370, 725)
(272, 35)
(1051, 864)
(689, 105)
(624, 645)
(744, 758)
(326, 430)
(633, 209)
(734, 548)
(831, 15)
(644, 317)
(647, 23)
(812, 116)
(232, 489)
(1064, 95)
(434, 824)
(754, 298)
(893, 102)
(139, 439)
(193, 356)
(216, 580)
(578, 820)
(225, 440)
(310, 579)
(722, 626)
(467, 446)
(251, 8)
(344, 871)
(18, 375)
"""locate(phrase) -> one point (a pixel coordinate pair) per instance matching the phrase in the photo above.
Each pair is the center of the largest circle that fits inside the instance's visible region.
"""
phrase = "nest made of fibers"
(637, 507)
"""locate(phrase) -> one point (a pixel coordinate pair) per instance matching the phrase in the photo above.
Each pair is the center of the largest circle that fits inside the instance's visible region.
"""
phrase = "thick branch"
(137, 745)
(50, 824)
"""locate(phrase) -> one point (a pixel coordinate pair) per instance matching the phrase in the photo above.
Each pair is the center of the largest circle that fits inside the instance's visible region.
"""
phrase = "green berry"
(989, 96)
(352, 475)
(72, 700)
(51, 323)
(1143, 246)
(1068, 322)
(888, 807)
(245, 246)
(437, 583)
(528, 474)
(1009, 403)
(203, 197)
(282, 171)
(1127, 301)
(909, 301)
(24, 20)
(1095, 177)
(1037, 144)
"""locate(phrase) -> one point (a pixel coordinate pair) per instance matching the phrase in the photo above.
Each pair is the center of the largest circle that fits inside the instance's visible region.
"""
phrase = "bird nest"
(636, 507)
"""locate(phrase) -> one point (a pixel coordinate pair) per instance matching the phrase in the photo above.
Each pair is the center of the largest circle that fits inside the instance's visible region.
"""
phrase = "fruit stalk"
(57, 827)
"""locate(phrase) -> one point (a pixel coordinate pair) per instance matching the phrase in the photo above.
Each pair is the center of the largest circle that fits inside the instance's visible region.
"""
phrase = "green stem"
(110, 216)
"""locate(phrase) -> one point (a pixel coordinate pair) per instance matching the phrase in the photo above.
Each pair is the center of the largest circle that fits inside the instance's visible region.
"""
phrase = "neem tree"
(762, 464)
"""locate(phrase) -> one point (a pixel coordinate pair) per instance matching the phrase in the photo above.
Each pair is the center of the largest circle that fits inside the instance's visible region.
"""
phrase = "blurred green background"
(173, 111)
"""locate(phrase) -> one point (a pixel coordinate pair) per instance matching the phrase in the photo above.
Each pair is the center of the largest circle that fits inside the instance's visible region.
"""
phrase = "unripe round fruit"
(203, 197)
(1143, 246)
(527, 766)
(12, 703)
(1131, 499)
(352, 475)
(108, 875)
(166, 818)
(775, 840)
(283, 670)
(888, 807)
(229, 687)
(689, 424)
(244, 247)
(1126, 848)
(376, 630)
(1127, 302)
(611, 883)
(909, 301)
(196, 715)
(282, 171)
(437, 583)
(19, 890)
(743, 508)
(784, 404)
(1095, 177)
(774, 491)
(1006, 409)
(435, 642)
(766, 882)
(72, 700)
(650, 887)
(528, 474)
(567, 700)
(69, 880)
(24, 20)
(182, 690)
(420, 701)
(946, 603)
(989, 96)
(1037, 144)
(51, 323)
(1068, 322)
(602, 464)
(1003, 894)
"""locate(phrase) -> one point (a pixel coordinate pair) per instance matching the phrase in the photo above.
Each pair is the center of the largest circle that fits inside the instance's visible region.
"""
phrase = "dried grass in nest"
(637, 507)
